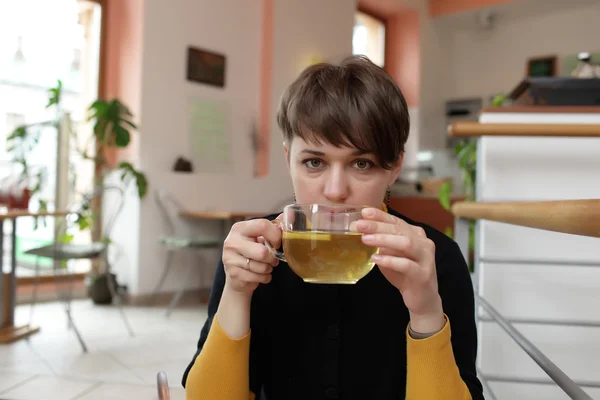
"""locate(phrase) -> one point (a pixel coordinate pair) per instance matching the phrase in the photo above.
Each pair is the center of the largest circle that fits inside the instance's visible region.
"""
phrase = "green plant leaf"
(448, 232)
(66, 238)
(444, 195)
(121, 136)
(20, 132)
(499, 100)
(128, 171)
(55, 94)
(142, 184)
(111, 123)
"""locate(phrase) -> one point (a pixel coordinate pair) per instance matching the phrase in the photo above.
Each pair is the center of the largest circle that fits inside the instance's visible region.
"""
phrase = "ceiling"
(515, 9)
(386, 8)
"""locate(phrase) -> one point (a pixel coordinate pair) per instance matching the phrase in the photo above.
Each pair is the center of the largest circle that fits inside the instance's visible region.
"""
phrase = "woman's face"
(326, 174)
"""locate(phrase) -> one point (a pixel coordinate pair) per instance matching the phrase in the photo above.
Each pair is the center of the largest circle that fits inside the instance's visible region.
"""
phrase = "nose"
(336, 186)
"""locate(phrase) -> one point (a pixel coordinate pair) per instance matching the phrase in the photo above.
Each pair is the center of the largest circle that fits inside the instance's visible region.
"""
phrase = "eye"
(313, 163)
(363, 164)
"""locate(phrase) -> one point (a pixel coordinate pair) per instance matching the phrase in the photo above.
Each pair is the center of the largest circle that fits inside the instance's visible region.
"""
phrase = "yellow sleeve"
(431, 369)
(221, 369)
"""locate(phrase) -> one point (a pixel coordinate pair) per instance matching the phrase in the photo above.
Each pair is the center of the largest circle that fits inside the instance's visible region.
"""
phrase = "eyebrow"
(321, 154)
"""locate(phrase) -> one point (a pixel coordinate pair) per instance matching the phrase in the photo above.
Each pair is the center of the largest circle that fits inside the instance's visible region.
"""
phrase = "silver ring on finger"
(247, 266)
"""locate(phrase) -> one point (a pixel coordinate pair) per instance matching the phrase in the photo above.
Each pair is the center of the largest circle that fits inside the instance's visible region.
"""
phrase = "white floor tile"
(117, 366)
(16, 352)
(10, 380)
(27, 367)
(128, 392)
(48, 388)
(173, 369)
(93, 366)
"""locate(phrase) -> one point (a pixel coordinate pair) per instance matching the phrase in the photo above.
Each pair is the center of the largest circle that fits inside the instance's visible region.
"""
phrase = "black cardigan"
(316, 341)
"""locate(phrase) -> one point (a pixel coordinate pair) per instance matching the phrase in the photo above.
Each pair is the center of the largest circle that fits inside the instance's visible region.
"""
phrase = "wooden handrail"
(578, 217)
(470, 128)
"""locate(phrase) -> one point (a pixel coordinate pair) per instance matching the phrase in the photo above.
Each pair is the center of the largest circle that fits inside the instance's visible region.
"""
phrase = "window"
(368, 37)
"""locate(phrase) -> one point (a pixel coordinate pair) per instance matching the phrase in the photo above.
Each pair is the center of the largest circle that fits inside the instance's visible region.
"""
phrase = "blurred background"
(134, 133)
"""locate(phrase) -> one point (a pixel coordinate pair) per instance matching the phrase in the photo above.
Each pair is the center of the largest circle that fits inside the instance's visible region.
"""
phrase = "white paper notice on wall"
(209, 122)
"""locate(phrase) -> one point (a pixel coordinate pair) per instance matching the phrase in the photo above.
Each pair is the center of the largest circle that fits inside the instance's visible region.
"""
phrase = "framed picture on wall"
(206, 67)
(541, 66)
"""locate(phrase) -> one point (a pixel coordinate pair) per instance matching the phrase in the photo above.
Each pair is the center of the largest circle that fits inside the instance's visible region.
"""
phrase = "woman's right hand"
(246, 259)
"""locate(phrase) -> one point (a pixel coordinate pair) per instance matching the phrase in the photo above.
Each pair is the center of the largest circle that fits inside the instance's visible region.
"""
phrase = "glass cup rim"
(353, 207)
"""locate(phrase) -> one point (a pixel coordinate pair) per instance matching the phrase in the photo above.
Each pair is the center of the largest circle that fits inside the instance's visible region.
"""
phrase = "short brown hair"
(354, 104)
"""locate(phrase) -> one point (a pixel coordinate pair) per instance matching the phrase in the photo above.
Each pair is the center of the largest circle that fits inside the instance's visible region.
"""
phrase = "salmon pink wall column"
(441, 7)
(266, 76)
(123, 63)
(403, 53)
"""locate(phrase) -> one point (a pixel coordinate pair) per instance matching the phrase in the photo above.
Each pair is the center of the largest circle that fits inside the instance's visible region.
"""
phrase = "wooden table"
(8, 282)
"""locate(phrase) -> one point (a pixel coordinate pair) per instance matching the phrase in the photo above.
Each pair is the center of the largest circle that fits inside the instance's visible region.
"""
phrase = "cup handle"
(278, 254)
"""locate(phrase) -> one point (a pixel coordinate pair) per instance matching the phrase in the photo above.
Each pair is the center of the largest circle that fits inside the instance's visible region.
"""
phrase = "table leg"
(4, 283)
(13, 273)
(9, 332)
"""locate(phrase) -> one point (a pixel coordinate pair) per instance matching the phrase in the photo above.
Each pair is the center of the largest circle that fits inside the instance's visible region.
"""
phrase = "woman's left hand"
(407, 259)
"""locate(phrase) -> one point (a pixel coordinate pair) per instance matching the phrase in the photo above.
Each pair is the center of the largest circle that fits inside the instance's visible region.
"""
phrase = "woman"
(387, 336)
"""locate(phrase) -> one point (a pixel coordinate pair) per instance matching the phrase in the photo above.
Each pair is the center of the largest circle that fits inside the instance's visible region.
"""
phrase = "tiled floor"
(51, 365)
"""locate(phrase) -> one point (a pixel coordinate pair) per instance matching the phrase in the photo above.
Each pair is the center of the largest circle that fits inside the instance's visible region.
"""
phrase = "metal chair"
(174, 242)
(61, 253)
(162, 385)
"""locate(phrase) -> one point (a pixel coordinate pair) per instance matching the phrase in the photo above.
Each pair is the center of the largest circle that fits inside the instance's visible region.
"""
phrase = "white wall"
(461, 60)
(301, 31)
(485, 63)
(436, 76)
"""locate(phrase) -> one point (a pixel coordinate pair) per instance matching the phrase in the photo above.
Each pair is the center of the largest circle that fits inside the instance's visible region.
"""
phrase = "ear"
(286, 149)
(396, 170)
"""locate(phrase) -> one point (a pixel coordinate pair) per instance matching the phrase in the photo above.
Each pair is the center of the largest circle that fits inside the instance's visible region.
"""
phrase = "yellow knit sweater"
(221, 369)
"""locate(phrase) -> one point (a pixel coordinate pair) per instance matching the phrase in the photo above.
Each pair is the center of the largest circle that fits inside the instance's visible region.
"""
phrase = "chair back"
(110, 214)
(169, 208)
(162, 385)
(117, 195)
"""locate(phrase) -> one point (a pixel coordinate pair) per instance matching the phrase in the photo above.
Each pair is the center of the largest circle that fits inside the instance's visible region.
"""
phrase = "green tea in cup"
(321, 245)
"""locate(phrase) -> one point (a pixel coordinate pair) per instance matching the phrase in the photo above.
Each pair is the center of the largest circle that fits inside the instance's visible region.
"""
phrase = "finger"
(413, 248)
(397, 264)
(237, 244)
(244, 275)
(252, 266)
(377, 221)
(418, 231)
(259, 227)
(257, 252)
(395, 227)
(375, 214)
(368, 226)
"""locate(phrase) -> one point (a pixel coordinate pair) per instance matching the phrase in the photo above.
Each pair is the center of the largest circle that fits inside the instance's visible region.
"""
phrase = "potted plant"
(466, 152)
(111, 131)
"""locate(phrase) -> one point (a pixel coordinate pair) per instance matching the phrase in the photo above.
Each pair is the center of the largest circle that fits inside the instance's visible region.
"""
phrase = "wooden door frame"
(103, 39)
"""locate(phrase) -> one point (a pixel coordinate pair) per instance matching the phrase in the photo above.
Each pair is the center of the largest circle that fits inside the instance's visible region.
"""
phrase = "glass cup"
(321, 243)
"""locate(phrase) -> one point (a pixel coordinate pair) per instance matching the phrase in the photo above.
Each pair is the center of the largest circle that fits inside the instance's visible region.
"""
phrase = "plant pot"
(98, 289)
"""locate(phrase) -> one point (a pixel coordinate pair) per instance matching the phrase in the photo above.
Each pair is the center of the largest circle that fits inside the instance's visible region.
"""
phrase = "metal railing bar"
(555, 373)
(537, 381)
(540, 321)
(539, 262)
